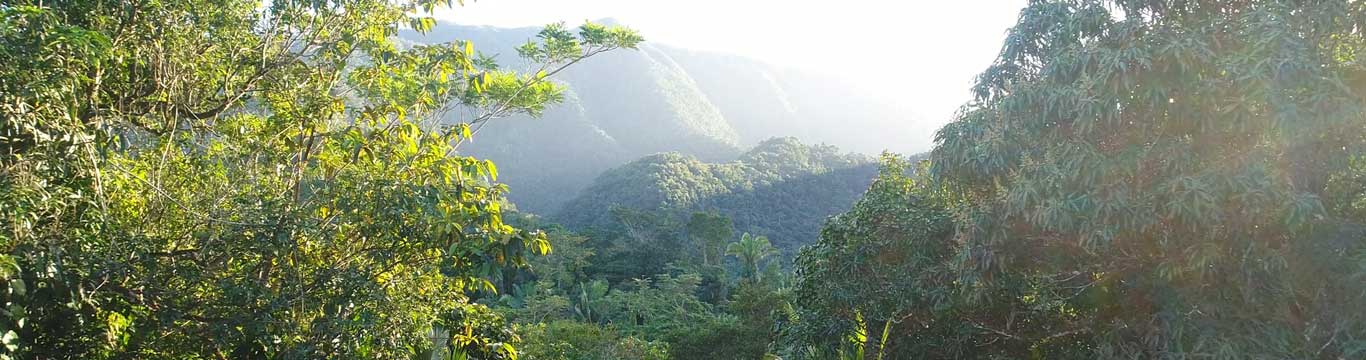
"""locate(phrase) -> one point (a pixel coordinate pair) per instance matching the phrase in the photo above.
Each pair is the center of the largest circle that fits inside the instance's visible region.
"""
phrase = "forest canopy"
(231, 179)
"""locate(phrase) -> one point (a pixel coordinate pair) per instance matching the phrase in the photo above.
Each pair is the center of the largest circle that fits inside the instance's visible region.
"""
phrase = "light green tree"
(751, 251)
(238, 179)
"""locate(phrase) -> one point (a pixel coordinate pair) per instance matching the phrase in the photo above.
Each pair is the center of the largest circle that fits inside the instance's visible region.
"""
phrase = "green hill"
(780, 188)
(627, 104)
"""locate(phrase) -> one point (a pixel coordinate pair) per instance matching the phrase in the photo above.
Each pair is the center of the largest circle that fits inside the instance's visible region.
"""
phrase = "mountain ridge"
(781, 188)
(624, 105)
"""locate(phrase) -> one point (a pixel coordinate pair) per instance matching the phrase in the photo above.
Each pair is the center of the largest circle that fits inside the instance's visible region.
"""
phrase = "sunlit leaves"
(557, 43)
(1177, 146)
(227, 179)
(882, 261)
(751, 250)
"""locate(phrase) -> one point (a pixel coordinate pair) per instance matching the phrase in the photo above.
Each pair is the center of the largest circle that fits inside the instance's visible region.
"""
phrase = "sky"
(921, 54)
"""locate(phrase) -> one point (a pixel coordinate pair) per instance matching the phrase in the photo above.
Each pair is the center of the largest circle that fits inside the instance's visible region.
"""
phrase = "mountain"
(625, 104)
(781, 188)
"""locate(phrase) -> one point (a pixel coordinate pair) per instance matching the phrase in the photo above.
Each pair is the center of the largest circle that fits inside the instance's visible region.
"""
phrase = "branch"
(177, 202)
(502, 108)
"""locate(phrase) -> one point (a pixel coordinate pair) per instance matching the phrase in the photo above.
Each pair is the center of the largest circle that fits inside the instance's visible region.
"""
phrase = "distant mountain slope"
(626, 104)
(781, 188)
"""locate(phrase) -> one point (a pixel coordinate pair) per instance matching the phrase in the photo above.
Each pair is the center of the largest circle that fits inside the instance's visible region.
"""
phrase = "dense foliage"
(1162, 169)
(882, 265)
(603, 302)
(215, 179)
(1135, 179)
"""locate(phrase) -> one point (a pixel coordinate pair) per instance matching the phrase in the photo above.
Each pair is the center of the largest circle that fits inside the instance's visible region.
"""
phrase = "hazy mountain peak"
(610, 21)
(626, 104)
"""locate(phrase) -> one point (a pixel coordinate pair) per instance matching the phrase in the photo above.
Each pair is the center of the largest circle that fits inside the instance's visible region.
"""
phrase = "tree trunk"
(872, 341)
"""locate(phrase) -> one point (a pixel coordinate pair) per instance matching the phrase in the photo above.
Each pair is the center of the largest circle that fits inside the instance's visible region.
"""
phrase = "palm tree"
(751, 250)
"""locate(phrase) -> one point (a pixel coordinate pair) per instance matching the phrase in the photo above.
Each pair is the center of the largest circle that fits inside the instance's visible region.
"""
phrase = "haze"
(922, 54)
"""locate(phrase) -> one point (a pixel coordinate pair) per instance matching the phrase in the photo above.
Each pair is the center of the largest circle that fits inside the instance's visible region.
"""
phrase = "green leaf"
(10, 340)
(492, 169)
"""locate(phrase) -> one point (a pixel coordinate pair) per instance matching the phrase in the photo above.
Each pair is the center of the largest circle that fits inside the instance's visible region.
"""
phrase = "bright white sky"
(922, 53)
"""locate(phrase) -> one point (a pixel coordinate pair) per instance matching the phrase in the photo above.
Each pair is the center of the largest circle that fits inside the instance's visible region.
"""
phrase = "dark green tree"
(1162, 171)
(882, 264)
(710, 231)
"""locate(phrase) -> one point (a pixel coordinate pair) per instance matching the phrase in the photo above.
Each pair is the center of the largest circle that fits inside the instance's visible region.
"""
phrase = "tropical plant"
(751, 251)
(589, 305)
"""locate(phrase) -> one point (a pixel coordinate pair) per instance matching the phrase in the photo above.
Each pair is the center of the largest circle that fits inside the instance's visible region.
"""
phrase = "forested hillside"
(780, 188)
(627, 105)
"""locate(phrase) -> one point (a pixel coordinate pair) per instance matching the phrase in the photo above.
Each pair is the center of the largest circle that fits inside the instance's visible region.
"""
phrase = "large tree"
(883, 265)
(238, 179)
(1171, 177)
(710, 231)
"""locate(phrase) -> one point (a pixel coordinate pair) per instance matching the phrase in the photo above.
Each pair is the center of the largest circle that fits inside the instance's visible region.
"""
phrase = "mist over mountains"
(624, 105)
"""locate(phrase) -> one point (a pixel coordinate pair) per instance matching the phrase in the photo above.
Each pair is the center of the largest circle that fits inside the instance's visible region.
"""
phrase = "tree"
(1161, 171)
(751, 251)
(639, 244)
(236, 179)
(884, 264)
(710, 231)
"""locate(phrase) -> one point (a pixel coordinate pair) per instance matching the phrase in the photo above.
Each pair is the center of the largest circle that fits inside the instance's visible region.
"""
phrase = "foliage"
(570, 262)
(1171, 179)
(475, 332)
(654, 307)
(668, 310)
(751, 251)
(710, 230)
(638, 244)
(236, 179)
(660, 275)
(571, 340)
(721, 337)
(883, 264)
(764, 314)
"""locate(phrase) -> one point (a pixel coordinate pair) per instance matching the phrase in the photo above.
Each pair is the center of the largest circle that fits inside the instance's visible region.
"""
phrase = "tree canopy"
(751, 250)
(1133, 179)
(235, 179)
(1162, 172)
